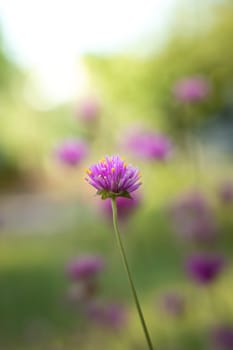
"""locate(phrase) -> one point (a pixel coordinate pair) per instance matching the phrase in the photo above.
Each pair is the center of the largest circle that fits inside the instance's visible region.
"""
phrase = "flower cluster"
(112, 178)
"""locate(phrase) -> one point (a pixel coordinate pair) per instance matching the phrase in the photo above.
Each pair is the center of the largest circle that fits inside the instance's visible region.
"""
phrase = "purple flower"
(125, 206)
(191, 89)
(84, 267)
(173, 304)
(108, 315)
(221, 337)
(112, 177)
(226, 192)
(71, 152)
(88, 110)
(192, 217)
(204, 268)
(148, 145)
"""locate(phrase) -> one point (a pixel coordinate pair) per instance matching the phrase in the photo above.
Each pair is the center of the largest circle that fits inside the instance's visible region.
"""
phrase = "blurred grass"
(33, 310)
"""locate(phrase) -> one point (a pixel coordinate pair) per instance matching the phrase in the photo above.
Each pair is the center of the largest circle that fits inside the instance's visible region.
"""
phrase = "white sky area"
(50, 37)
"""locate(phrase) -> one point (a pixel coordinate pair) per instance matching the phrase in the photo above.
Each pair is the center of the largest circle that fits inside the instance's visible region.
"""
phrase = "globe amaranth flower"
(88, 110)
(84, 267)
(125, 206)
(226, 192)
(221, 337)
(112, 177)
(191, 89)
(109, 315)
(71, 151)
(204, 268)
(148, 145)
(193, 218)
(173, 304)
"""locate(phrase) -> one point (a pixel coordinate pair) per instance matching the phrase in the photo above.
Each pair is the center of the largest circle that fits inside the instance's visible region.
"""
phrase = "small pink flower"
(71, 151)
(191, 89)
(204, 268)
(109, 315)
(148, 145)
(84, 267)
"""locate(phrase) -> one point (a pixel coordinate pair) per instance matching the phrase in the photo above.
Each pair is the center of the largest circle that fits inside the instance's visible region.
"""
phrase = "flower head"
(71, 152)
(148, 145)
(112, 177)
(221, 337)
(204, 268)
(110, 315)
(191, 89)
(85, 267)
(173, 304)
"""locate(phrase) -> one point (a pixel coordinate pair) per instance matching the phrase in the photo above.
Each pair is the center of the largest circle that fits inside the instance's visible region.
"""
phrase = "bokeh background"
(151, 81)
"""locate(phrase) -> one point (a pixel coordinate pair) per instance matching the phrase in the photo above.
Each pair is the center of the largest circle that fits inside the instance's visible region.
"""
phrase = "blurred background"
(151, 81)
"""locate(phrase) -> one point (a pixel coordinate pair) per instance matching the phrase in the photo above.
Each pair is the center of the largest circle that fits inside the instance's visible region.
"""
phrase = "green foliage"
(143, 86)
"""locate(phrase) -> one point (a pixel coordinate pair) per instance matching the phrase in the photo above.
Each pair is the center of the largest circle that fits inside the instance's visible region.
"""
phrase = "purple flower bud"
(125, 206)
(221, 337)
(84, 267)
(226, 192)
(88, 110)
(71, 152)
(148, 145)
(112, 316)
(204, 268)
(191, 89)
(112, 177)
(192, 218)
(173, 304)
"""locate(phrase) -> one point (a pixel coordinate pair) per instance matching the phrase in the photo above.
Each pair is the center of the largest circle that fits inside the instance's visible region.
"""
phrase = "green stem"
(119, 241)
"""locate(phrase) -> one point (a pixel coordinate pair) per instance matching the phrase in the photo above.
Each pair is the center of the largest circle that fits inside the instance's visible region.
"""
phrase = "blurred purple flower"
(226, 192)
(191, 89)
(221, 337)
(192, 217)
(125, 206)
(148, 145)
(71, 152)
(88, 110)
(173, 304)
(108, 315)
(112, 177)
(84, 267)
(204, 268)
